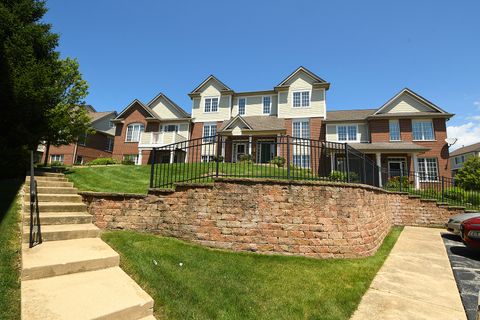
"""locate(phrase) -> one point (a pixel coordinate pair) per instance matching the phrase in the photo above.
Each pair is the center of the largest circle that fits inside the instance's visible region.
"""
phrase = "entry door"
(396, 168)
(239, 149)
(266, 151)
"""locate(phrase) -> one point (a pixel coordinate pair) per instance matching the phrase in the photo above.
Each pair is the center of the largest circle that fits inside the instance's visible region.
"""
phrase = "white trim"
(211, 99)
(347, 125)
(263, 105)
(324, 94)
(424, 120)
(399, 130)
(415, 96)
(139, 134)
(309, 90)
(245, 107)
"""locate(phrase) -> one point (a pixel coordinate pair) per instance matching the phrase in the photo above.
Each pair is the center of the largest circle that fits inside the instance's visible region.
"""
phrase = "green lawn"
(216, 284)
(9, 250)
(136, 179)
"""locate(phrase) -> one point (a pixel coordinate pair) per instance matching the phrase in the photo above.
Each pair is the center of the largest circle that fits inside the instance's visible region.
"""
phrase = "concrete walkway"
(416, 282)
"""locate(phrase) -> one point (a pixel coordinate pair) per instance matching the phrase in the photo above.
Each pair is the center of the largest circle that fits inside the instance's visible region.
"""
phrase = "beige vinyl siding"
(211, 89)
(254, 105)
(406, 103)
(460, 165)
(104, 125)
(165, 110)
(183, 127)
(362, 131)
(317, 104)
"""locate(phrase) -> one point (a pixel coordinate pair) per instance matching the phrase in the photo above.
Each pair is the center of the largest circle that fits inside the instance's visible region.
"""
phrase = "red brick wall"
(67, 151)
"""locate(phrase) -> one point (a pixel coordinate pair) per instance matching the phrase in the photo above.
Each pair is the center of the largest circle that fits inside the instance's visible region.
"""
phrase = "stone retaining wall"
(318, 219)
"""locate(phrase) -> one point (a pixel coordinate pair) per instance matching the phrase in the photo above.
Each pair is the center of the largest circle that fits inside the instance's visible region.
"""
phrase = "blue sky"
(367, 50)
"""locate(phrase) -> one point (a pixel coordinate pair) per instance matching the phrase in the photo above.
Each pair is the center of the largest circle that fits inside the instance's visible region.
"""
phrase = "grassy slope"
(9, 251)
(215, 284)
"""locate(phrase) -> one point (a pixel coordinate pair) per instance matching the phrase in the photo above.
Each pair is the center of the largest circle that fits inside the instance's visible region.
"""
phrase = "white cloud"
(466, 133)
(476, 104)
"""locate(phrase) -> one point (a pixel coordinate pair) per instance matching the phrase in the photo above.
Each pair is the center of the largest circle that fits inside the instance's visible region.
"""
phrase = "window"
(301, 99)
(211, 105)
(302, 160)
(109, 146)
(347, 133)
(460, 159)
(241, 106)
(133, 132)
(394, 126)
(208, 158)
(267, 105)
(301, 129)
(82, 139)
(427, 169)
(56, 158)
(170, 128)
(422, 130)
(209, 132)
(131, 157)
(79, 160)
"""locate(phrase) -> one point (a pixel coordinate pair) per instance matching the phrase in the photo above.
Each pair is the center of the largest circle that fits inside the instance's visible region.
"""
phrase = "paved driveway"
(466, 269)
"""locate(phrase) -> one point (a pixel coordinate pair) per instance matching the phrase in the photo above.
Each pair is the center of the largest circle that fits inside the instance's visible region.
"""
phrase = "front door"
(239, 150)
(266, 152)
(396, 168)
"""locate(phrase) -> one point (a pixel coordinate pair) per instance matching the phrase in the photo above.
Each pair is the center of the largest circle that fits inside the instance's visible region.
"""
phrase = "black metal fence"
(277, 157)
(35, 235)
(432, 186)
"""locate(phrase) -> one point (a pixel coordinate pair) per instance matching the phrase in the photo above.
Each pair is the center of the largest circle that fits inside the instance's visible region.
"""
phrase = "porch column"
(279, 150)
(139, 160)
(415, 171)
(378, 157)
(172, 156)
(250, 145)
(332, 161)
(223, 148)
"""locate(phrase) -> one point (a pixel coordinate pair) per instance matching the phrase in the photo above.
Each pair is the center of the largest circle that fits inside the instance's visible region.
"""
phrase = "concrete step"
(49, 197)
(46, 178)
(151, 317)
(59, 206)
(46, 174)
(56, 218)
(65, 257)
(48, 183)
(64, 232)
(54, 190)
(102, 294)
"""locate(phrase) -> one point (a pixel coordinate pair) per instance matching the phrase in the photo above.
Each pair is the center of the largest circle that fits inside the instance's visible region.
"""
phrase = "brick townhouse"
(406, 133)
(89, 146)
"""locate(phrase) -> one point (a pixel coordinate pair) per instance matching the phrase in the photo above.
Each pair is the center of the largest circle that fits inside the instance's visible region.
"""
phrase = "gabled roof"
(466, 149)
(95, 116)
(226, 124)
(257, 123)
(210, 77)
(305, 70)
(138, 102)
(173, 104)
(415, 96)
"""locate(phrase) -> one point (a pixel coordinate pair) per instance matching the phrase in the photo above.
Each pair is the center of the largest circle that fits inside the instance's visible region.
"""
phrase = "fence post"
(347, 162)
(364, 178)
(152, 168)
(443, 188)
(288, 157)
(217, 156)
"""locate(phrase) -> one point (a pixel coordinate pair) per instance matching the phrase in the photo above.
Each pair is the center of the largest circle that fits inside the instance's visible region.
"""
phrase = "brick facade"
(315, 219)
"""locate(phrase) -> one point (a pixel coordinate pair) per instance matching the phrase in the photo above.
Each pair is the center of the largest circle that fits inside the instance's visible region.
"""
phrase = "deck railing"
(35, 234)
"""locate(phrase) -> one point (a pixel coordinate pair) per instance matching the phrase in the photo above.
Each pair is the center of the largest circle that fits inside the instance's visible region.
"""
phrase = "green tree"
(469, 176)
(68, 120)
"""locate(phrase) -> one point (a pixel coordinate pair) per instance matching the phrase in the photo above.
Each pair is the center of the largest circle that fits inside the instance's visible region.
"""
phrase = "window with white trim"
(133, 132)
(267, 105)
(131, 157)
(241, 106)
(57, 158)
(427, 169)
(301, 129)
(109, 146)
(208, 158)
(170, 128)
(394, 128)
(301, 99)
(211, 105)
(422, 130)
(347, 133)
(209, 132)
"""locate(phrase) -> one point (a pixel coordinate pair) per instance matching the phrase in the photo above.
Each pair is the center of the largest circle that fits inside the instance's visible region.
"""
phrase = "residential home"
(459, 156)
(140, 127)
(89, 146)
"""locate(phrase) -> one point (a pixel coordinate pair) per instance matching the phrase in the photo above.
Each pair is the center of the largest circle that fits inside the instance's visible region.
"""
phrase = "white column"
(415, 169)
(223, 148)
(172, 156)
(139, 161)
(332, 161)
(378, 157)
(250, 145)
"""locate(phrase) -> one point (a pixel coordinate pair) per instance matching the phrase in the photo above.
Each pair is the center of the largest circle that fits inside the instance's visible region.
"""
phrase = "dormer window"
(301, 99)
(211, 105)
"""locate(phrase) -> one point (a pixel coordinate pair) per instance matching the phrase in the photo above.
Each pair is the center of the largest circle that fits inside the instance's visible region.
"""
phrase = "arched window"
(133, 132)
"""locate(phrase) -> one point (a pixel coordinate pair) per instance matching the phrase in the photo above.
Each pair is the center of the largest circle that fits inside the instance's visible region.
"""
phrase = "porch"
(172, 154)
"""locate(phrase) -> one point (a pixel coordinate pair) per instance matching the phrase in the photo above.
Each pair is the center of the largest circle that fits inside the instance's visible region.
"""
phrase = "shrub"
(128, 162)
(102, 161)
(246, 158)
(462, 196)
(469, 176)
(394, 183)
(278, 161)
(56, 164)
(342, 176)
(217, 159)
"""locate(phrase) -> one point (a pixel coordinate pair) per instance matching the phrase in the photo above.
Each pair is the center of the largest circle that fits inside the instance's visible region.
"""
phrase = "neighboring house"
(140, 127)
(406, 134)
(89, 146)
(459, 156)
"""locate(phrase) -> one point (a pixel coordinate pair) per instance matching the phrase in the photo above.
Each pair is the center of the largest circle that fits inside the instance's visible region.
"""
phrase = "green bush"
(278, 161)
(57, 164)
(128, 162)
(246, 158)
(462, 196)
(102, 161)
(469, 176)
(217, 159)
(394, 183)
(342, 176)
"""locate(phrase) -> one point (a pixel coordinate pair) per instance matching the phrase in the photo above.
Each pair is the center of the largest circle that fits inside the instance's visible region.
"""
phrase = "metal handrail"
(35, 236)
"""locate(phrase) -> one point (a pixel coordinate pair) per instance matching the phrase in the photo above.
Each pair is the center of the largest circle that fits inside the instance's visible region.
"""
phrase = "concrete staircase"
(73, 274)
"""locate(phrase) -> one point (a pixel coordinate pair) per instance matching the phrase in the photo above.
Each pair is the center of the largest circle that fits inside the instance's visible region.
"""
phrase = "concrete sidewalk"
(416, 282)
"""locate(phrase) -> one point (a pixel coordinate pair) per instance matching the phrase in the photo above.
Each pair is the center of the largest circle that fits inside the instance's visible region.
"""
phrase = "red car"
(471, 232)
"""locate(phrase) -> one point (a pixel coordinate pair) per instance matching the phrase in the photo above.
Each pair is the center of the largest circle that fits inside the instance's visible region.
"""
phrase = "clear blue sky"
(367, 50)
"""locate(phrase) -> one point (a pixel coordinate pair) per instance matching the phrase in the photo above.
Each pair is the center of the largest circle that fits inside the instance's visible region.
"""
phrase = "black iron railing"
(432, 186)
(277, 157)
(35, 237)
